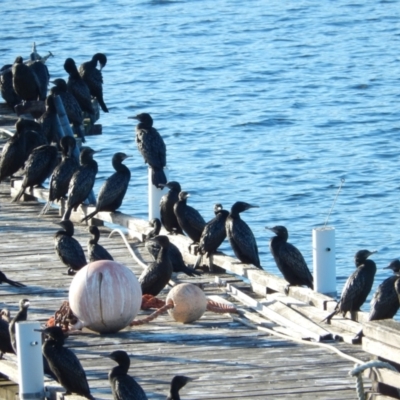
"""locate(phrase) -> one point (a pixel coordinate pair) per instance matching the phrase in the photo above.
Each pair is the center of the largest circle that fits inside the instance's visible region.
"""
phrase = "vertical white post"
(155, 195)
(30, 360)
(324, 254)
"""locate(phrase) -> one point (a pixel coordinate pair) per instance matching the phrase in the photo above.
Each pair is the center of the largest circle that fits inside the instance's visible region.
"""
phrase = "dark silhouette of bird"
(174, 253)
(82, 181)
(152, 147)
(25, 82)
(41, 72)
(167, 202)
(158, 273)
(71, 106)
(94, 78)
(33, 135)
(240, 235)
(6, 87)
(5, 338)
(62, 173)
(64, 363)
(289, 259)
(124, 386)
(77, 86)
(21, 315)
(4, 279)
(177, 383)
(357, 286)
(214, 233)
(95, 250)
(68, 248)
(189, 219)
(113, 190)
(38, 168)
(49, 121)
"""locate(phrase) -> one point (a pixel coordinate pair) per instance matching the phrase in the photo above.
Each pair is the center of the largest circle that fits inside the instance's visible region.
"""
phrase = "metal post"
(30, 360)
(155, 195)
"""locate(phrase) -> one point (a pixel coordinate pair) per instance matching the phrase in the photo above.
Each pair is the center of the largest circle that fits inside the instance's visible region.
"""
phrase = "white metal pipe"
(30, 360)
(155, 195)
(324, 255)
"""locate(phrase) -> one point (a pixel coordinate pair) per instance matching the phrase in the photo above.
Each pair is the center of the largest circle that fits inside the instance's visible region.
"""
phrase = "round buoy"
(189, 301)
(105, 295)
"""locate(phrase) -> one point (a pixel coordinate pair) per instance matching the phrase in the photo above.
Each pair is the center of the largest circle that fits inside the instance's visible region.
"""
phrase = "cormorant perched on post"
(167, 202)
(158, 273)
(25, 81)
(82, 181)
(77, 86)
(5, 338)
(113, 190)
(152, 147)
(357, 286)
(42, 75)
(21, 315)
(123, 386)
(6, 87)
(189, 219)
(68, 248)
(64, 363)
(177, 383)
(94, 78)
(240, 235)
(289, 260)
(62, 174)
(4, 279)
(95, 250)
(214, 233)
(38, 168)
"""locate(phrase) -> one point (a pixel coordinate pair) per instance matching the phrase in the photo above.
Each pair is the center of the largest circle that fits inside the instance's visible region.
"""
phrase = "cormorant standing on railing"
(189, 219)
(240, 235)
(49, 121)
(5, 338)
(42, 75)
(124, 386)
(113, 190)
(152, 147)
(82, 181)
(68, 248)
(64, 363)
(25, 81)
(214, 233)
(94, 78)
(177, 383)
(4, 279)
(158, 273)
(62, 174)
(21, 315)
(95, 250)
(167, 202)
(357, 286)
(289, 260)
(6, 87)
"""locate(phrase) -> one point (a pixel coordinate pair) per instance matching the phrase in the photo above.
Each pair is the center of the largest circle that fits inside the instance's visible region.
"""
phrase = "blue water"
(272, 103)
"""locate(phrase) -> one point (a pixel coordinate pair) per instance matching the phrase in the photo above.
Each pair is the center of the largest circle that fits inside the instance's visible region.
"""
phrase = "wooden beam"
(381, 349)
(386, 331)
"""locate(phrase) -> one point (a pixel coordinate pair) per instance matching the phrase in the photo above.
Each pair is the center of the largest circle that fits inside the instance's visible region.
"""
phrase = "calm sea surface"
(272, 103)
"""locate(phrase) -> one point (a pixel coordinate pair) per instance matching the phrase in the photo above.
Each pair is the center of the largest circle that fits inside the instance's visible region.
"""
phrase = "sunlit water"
(272, 103)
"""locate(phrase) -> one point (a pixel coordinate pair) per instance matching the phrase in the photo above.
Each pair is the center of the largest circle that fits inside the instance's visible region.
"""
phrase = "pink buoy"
(105, 296)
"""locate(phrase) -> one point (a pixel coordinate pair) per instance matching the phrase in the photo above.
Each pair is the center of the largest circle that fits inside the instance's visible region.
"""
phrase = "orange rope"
(220, 308)
(152, 316)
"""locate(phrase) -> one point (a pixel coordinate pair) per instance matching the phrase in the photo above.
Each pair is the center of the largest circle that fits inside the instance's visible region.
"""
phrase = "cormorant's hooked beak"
(133, 117)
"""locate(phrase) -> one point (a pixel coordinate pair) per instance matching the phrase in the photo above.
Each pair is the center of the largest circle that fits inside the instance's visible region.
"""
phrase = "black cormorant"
(68, 248)
(177, 383)
(289, 260)
(94, 78)
(95, 250)
(4, 279)
(5, 338)
(21, 315)
(152, 147)
(64, 363)
(41, 72)
(167, 202)
(113, 190)
(6, 87)
(123, 386)
(240, 235)
(25, 81)
(49, 121)
(357, 286)
(189, 219)
(82, 181)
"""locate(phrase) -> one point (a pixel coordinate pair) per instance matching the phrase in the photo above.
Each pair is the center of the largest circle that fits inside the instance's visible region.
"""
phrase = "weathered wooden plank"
(381, 349)
(386, 331)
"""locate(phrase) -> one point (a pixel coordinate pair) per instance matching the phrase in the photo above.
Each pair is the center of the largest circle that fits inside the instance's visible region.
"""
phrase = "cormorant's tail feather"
(91, 215)
(102, 104)
(19, 195)
(329, 317)
(14, 283)
(157, 177)
(190, 272)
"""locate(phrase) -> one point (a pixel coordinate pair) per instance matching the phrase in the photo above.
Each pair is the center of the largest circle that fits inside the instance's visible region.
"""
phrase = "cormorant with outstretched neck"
(42, 75)
(113, 190)
(177, 383)
(214, 233)
(4, 279)
(6, 87)
(62, 174)
(64, 363)
(95, 250)
(167, 202)
(68, 248)
(158, 273)
(38, 167)
(189, 219)
(21, 315)
(152, 147)
(124, 386)
(240, 235)
(25, 81)
(82, 181)
(289, 260)
(94, 78)
(5, 338)
(357, 286)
